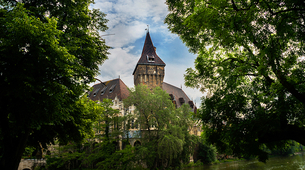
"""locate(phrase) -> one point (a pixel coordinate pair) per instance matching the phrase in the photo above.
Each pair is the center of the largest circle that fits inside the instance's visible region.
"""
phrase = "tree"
(50, 51)
(100, 151)
(251, 63)
(109, 121)
(163, 128)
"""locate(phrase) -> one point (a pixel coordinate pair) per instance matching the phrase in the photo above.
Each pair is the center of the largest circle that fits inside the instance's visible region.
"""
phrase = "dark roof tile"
(109, 89)
(178, 95)
(119, 89)
(149, 51)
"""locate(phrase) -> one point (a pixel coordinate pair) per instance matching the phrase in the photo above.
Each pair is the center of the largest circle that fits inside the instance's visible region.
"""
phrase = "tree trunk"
(13, 150)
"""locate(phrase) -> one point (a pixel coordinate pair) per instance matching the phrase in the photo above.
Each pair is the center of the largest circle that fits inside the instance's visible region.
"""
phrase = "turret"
(150, 68)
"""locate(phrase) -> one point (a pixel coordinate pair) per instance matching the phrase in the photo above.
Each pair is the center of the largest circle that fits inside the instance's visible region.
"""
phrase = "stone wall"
(150, 75)
(30, 164)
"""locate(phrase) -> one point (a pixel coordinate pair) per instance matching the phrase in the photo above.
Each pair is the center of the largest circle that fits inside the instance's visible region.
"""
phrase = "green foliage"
(102, 155)
(109, 120)
(123, 159)
(288, 148)
(50, 51)
(28, 151)
(52, 163)
(165, 140)
(192, 164)
(206, 153)
(100, 151)
(250, 63)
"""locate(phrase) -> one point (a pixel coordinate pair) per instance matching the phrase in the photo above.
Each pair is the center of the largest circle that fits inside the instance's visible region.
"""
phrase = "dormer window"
(95, 92)
(181, 100)
(103, 90)
(172, 96)
(191, 104)
(150, 58)
(111, 88)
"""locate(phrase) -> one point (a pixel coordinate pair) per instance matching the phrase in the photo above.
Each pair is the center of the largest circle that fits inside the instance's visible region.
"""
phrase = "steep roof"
(109, 89)
(117, 88)
(149, 51)
(178, 96)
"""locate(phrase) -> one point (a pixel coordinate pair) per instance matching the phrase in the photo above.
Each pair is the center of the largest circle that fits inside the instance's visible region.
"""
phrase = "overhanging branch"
(289, 132)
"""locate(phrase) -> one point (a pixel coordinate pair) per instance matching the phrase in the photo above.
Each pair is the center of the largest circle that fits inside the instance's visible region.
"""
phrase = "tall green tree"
(50, 51)
(251, 63)
(163, 128)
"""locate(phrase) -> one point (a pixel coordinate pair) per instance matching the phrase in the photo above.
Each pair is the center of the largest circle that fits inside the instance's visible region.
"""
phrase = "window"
(132, 124)
(181, 100)
(150, 58)
(172, 96)
(112, 88)
(103, 90)
(95, 92)
(191, 104)
(126, 112)
(137, 125)
(153, 122)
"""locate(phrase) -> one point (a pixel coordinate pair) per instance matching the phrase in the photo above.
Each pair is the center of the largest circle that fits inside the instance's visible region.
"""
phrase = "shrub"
(206, 153)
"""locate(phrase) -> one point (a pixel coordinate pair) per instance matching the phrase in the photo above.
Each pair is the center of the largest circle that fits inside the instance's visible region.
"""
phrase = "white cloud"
(125, 34)
(174, 76)
(104, 6)
(120, 63)
(128, 20)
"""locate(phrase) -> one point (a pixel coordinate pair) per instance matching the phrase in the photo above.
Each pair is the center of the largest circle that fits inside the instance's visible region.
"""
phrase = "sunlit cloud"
(128, 20)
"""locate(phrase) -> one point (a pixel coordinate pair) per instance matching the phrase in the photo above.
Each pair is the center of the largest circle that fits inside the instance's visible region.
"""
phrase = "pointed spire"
(149, 55)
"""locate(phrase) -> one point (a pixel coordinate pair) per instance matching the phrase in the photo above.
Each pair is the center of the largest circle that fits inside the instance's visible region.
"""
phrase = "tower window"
(150, 58)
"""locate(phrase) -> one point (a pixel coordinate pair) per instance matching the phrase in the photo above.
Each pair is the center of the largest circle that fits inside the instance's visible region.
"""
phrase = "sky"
(128, 20)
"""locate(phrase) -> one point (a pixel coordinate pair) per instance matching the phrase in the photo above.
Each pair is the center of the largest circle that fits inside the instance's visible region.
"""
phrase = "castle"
(148, 71)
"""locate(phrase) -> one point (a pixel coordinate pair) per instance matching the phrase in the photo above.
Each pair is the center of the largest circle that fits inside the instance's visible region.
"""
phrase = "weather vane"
(147, 29)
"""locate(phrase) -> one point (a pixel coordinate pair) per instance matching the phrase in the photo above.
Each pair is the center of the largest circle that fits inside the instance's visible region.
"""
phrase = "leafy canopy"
(50, 51)
(251, 63)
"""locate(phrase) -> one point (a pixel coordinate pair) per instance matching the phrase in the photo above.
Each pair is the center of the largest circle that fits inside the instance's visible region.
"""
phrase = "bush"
(290, 148)
(206, 153)
(55, 163)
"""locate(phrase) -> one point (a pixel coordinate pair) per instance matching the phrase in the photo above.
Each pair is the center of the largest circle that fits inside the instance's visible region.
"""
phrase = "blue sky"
(128, 20)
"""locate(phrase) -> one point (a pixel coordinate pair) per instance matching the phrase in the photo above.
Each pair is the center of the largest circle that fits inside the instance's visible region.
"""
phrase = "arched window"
(137, 143)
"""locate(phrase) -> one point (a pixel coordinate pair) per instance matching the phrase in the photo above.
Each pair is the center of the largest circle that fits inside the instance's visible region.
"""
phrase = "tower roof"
(149, 55)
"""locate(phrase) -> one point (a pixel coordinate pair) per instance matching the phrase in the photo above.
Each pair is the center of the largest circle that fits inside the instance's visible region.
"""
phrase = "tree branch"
(234, 6)
(289, 132)
(290, 88)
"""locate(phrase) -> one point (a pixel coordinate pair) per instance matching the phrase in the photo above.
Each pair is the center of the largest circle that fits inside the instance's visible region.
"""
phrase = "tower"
(150, 68)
